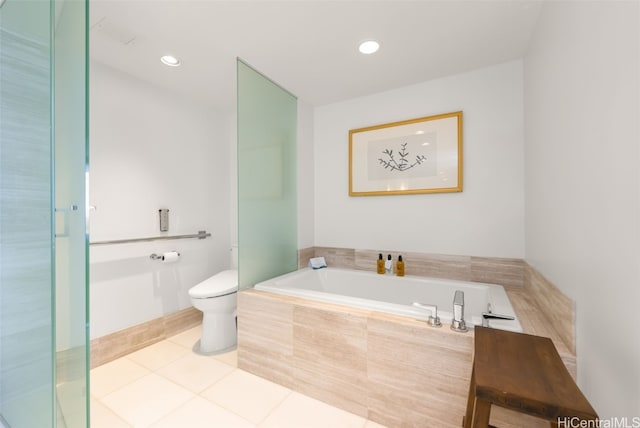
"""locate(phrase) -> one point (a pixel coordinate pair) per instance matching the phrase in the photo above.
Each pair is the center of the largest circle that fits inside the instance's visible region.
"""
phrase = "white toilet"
(216, 298)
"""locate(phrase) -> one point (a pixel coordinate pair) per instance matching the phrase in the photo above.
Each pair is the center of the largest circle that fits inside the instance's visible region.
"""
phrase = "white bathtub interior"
(396, 295)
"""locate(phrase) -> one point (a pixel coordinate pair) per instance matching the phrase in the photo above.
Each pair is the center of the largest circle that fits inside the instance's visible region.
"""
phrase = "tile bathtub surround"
(330, 356)
(555, 311)
(420, 372)
(389, 369)
(558, 308)
(392, 370)
(339, 257)
(265, 337)
(494, 270)
(115, 345)
(432, 265)
(304, 254)
(534, 321)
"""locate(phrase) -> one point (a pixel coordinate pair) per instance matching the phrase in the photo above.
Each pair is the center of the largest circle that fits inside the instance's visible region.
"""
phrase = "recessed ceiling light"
(171, 61)
(368, 47)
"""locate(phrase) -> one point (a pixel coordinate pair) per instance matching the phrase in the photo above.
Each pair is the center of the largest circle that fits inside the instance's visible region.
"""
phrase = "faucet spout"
(486, 316)
(458, 323)
(489, 315)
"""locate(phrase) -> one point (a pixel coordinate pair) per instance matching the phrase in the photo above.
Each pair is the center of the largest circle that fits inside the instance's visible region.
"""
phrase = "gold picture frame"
(422, 155)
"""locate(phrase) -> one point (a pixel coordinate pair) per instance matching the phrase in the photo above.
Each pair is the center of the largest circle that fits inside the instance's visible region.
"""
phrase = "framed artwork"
(421, 155)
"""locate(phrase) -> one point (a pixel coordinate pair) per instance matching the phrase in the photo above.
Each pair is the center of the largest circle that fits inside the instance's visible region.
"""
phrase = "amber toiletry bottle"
(400, 267)
(380, 268)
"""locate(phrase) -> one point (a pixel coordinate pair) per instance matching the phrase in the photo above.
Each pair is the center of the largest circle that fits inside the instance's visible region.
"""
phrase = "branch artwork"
(422, 155)
(403, 164)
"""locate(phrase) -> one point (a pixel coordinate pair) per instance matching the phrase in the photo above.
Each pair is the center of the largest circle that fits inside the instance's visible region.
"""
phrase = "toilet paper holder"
(155, 256)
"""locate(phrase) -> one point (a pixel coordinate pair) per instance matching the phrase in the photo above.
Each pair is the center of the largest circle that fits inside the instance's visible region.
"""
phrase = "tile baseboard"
(115, 345)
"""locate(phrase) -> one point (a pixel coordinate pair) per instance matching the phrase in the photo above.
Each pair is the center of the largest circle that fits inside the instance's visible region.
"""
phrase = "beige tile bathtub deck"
(167, 385)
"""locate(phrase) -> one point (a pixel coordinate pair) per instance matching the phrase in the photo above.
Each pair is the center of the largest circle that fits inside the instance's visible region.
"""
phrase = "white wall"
(486, 219)
(582, 185)
(151, 150)
(306, 207)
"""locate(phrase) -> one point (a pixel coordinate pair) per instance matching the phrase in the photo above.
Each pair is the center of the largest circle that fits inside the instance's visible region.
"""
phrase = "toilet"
(216, 298)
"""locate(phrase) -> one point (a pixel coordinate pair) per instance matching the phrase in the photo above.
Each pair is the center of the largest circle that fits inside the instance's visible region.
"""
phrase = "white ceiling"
(308, 47)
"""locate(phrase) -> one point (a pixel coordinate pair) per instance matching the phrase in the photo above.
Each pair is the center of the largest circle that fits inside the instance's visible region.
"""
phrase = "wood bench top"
(525, 373)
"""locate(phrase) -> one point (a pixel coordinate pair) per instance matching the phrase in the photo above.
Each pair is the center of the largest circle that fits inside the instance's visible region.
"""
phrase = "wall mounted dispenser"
(164, 219)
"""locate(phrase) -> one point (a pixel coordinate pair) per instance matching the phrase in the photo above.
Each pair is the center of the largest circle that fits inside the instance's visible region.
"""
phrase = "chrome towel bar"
(202, 234)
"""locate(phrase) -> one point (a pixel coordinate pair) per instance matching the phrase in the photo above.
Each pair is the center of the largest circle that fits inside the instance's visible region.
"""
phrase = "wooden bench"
(524, 373)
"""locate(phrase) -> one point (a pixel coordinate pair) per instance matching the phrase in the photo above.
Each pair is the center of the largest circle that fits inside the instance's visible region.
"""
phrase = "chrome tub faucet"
(457, 322)
(434, 319)
(489, 315)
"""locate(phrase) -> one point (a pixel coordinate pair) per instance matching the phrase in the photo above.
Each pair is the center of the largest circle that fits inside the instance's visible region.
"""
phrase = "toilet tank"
(234, 257)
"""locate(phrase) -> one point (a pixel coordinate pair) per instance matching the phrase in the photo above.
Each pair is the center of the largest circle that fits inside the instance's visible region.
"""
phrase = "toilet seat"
(220, 284)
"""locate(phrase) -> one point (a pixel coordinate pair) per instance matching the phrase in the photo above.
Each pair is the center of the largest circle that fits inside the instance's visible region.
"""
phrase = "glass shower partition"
(26, 259)
(70, 113)
(43, 311)
(267, 201)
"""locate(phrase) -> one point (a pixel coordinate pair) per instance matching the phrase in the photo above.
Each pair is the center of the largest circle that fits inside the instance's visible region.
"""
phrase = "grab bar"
(202, 234)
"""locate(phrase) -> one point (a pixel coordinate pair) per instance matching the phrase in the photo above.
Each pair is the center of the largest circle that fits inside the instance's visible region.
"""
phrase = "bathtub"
(395, 295)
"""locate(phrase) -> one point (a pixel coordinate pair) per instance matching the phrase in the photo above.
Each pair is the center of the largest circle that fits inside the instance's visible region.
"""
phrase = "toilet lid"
(225, 282)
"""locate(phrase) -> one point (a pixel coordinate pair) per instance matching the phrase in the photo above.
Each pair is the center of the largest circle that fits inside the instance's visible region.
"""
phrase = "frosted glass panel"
(70, 155)
(43, 311)
(267, 208)
(26, 336)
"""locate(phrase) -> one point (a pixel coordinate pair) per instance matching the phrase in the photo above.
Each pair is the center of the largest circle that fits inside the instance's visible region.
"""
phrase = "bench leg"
(471, 400)
(481, 414)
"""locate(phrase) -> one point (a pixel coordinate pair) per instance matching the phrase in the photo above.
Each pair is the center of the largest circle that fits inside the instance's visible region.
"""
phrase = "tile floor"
(167, 385)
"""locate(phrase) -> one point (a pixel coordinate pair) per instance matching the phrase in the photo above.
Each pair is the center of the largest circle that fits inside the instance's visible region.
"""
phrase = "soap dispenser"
(400, 267)
(388, 265)
(380, 264)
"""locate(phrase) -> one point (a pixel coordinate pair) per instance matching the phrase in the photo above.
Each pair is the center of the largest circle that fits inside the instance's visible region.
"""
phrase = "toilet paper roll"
(170, 257)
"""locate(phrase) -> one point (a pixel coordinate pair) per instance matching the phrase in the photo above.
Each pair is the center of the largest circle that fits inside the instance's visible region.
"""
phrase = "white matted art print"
(421, 155)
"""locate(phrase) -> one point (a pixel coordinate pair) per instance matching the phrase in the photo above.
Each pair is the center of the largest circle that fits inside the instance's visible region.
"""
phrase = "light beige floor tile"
(114, 375)
(230, 358)
(200, 413)
(70, 407)
(187, 338)
(371, 424)
(158, 355)
(102, 417)
(195, 372)
(247, 395)
(298, 410)
(147, 400)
